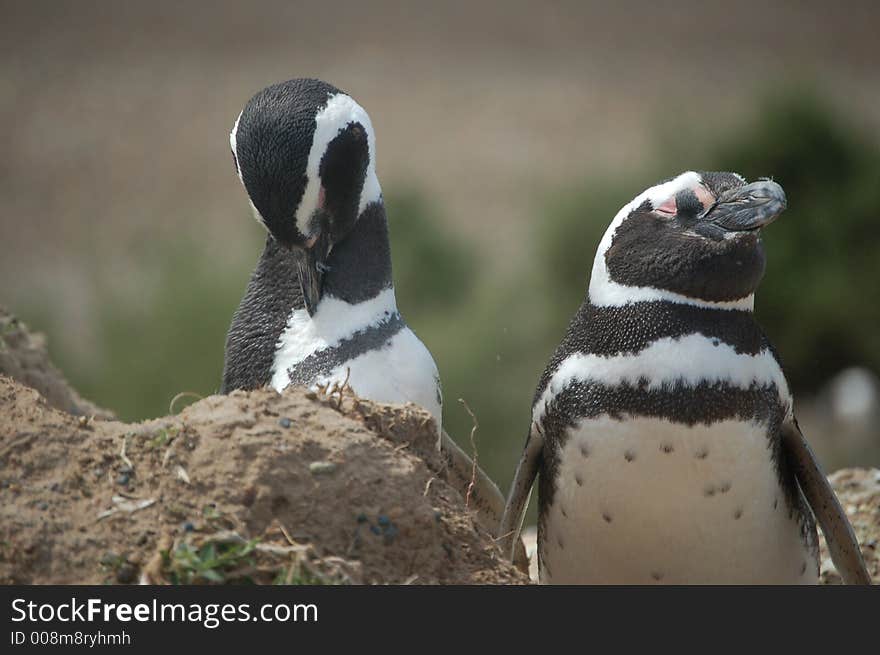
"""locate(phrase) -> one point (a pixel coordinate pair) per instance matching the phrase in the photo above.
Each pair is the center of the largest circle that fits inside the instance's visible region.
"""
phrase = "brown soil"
(24, 357)
(355, 494)
(257, 486)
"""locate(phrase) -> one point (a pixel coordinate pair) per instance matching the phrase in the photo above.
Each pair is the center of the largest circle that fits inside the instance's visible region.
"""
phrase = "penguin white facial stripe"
(656, 195)
(603, 291)
(333, 321)
(687, 360)
(233, 145)
(340, 111)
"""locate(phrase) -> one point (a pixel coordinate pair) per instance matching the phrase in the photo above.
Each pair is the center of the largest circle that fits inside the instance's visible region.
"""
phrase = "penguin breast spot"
(620, 512)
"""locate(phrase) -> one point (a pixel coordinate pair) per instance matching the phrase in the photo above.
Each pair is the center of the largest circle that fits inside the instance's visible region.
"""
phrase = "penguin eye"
(668, 208)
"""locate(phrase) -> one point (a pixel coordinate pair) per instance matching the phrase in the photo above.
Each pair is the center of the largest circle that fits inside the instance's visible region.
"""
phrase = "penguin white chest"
(366, 345)
(400, 371)
(397, 371)
(644, 500)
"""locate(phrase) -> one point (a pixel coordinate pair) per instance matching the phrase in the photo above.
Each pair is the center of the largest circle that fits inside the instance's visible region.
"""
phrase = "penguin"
(320, 307)
(663, 428)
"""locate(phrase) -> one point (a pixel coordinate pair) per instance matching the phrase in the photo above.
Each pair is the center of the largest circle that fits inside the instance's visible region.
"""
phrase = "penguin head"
(305, 153)
(693, 239)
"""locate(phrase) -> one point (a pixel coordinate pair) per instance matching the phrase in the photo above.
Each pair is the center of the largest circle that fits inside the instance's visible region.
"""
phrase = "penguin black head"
(694, 238)
(305, 151)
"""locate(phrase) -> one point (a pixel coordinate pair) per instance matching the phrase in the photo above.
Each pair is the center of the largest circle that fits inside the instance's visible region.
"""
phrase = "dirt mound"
(251, 486)
(24, 357)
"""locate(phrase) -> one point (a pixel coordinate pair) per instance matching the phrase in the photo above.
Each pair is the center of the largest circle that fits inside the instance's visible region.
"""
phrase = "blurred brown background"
(501, 127)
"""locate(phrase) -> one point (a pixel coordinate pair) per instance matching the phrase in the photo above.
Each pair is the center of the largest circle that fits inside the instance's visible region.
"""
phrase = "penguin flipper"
(842, 543)
(520, 491)
(485, 494)
(474, 483)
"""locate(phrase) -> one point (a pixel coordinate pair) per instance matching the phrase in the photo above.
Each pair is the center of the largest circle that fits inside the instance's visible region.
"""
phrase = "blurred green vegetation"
(492, 338)
(163, 339)
(432, 270)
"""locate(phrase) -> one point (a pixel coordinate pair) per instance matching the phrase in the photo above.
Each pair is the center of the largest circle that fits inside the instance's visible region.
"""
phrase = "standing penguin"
(320, 306)
(663, 427)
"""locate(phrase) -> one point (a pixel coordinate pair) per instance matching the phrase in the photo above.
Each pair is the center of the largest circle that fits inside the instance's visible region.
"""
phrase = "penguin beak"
(749, 207)
(310, 266)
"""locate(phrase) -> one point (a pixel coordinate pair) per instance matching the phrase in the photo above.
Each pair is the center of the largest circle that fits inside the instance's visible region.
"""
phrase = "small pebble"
(43, 506)
(188, 526)
(390, 533)
(285, 422)
(109, 558)
(55, 487)
(123, 479)
(361, 518)
(99, 473)
(126, 574)
(383, 520)
(375, 529)
(319, 468)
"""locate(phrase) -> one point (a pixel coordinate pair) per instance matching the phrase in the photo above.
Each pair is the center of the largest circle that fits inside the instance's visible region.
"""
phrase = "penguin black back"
(272, 293)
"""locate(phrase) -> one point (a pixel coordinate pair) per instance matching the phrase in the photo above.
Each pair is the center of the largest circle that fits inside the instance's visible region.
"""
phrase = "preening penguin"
(663, 428)
(320, 307)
